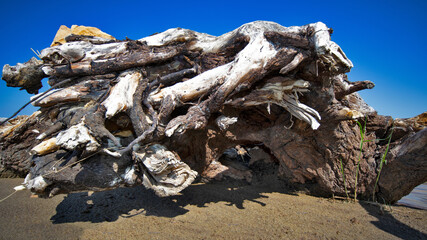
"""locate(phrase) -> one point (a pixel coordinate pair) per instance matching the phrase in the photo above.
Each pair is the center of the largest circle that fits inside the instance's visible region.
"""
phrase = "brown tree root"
(126, 113)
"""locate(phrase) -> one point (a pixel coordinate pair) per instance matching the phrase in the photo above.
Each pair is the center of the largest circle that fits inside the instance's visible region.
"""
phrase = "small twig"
(292, 123)
(71, 164)
(36, 98)
(56, 163)
(36, 53)
(10, 195)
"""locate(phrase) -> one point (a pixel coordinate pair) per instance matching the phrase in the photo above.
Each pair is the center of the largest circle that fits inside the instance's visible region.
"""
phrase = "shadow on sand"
(388, 223)
(128, 202)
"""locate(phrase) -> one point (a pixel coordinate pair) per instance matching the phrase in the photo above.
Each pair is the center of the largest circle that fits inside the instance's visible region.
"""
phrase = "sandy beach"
(203, 211)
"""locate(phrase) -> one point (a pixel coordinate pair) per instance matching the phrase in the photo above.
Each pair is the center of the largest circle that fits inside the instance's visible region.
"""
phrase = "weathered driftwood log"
(149, 111)
(27, 75)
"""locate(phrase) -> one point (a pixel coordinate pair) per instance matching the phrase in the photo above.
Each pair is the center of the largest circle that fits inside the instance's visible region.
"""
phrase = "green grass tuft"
(343, 179)
(362, 130)
(383, 161)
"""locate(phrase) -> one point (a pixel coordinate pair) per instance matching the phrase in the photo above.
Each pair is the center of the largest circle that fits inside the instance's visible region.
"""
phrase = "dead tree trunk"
(163, 109)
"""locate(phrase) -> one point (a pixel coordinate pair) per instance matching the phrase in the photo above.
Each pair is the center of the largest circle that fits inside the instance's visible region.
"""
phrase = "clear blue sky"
(386, 40)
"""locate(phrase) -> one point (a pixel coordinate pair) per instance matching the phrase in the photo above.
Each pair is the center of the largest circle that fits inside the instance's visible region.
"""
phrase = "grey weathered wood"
(27, 75)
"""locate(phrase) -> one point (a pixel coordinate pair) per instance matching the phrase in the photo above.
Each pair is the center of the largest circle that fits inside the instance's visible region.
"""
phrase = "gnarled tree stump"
(160, 110)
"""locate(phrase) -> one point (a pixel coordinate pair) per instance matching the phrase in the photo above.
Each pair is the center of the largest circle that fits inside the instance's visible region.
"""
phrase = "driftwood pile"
(167, 108)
